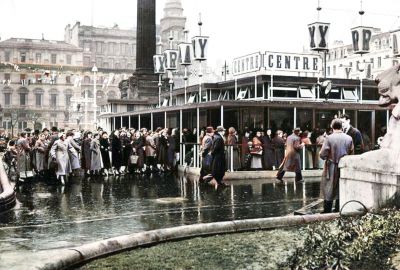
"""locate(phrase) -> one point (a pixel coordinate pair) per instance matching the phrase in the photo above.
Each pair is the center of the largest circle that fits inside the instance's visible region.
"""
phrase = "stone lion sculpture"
(389, 91)
(387, 158)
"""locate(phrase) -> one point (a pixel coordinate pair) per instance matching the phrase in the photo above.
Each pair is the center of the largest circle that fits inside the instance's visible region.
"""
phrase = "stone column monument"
(143, 84)
(146, 36)
(373, 178)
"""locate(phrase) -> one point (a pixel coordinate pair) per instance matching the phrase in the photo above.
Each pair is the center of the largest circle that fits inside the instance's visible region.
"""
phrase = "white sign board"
(277, 61)
(248, 63)
(292, 62)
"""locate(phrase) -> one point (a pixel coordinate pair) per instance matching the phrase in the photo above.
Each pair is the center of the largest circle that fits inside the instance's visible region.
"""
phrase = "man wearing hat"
(218, 157)
(292, 161)
(206, 146)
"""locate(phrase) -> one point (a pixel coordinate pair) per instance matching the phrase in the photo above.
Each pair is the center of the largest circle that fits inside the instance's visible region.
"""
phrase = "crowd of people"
(62, 153)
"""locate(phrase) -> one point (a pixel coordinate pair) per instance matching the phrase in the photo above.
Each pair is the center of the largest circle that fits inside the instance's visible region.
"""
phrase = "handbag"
(256, 152)
(133, 159)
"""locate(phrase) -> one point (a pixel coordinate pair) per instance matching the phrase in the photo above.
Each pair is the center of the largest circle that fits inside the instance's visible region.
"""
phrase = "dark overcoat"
(218, 153)
(138, 146)
(86, 154)
(279, 145)
(269, 153)
(116, 152)
(163, 150)
(105, 150)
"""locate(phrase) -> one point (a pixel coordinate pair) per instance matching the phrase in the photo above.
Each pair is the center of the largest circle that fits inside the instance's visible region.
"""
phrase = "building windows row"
(23, 99)
(38, 58)
(368, 64)
(21, 125)
(109, 63)
(111, 48)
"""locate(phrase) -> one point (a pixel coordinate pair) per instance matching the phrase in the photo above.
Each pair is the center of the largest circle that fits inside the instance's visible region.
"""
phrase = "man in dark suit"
(218, 155)
(354, 133)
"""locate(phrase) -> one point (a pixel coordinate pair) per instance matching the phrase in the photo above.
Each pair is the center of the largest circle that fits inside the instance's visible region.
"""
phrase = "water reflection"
(90, 209)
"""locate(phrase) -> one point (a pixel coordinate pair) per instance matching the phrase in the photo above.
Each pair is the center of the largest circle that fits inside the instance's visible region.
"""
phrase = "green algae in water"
(250, 250)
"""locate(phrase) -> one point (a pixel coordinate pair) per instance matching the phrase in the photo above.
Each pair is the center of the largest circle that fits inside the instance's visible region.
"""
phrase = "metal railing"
(190, 154)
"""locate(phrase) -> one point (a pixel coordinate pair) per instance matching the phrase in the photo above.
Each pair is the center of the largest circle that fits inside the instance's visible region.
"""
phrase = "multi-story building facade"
(47, 83)
(343, 63)
(107, 48)
(36, 83)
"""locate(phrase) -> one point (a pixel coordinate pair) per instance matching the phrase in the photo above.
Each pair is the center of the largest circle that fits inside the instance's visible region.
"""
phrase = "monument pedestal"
(143, 86)
(372, 178)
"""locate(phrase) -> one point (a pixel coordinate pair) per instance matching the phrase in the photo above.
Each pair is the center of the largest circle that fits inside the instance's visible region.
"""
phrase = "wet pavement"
(91, 209)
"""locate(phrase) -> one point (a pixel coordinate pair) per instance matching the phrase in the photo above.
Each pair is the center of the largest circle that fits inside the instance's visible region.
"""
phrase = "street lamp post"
(200, 45)
(185, 58)
(14, 115)
(86, 109)
(361, 69)
(171, 80)
(171, 57)
(94, 70)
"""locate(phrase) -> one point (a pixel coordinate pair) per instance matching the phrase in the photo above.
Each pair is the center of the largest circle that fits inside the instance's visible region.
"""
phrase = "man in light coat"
(73, 152)
(292, 161)
(336, 146)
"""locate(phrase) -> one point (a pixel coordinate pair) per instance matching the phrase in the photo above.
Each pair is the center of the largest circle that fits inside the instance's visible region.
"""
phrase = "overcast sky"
(235, 27)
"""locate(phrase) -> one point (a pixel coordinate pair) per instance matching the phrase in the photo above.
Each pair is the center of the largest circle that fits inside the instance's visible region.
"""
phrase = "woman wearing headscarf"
(41, 147)
(308, 148)
(138, 144)
(233, 150)
(256, 152)
(150, 152)
(23, 156)
(96, 163)
(105, 152)
(59, 153)
(163, 149)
